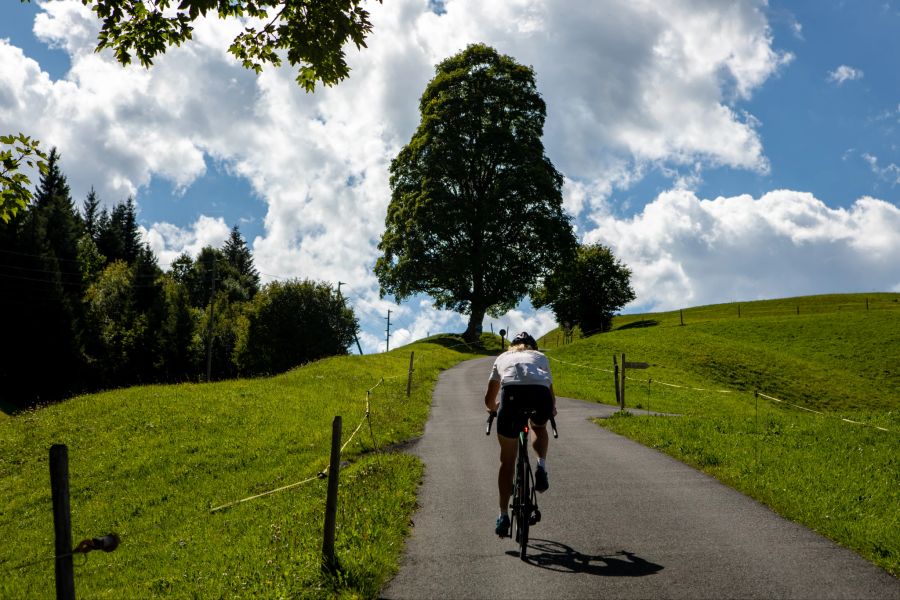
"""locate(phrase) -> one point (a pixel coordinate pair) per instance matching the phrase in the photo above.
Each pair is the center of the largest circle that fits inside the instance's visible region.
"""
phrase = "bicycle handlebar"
(493, 415)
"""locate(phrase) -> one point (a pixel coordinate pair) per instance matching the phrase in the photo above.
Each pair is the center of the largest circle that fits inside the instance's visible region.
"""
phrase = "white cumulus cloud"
(630, 86)
(844, 73)
(685, 251)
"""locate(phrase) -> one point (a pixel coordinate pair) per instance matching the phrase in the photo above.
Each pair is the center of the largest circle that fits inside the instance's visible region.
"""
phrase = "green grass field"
(834, 357)
(148, 463)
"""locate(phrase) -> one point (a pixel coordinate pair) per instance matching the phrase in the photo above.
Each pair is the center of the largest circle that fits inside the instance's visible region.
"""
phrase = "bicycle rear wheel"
(523, 503)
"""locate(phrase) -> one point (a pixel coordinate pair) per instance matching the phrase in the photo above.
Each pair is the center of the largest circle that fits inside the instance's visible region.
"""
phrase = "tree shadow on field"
(487, 344)
(639, 324)
(558, 557)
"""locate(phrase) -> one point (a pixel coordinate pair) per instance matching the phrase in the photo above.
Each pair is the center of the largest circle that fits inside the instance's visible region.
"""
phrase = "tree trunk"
(473, 330)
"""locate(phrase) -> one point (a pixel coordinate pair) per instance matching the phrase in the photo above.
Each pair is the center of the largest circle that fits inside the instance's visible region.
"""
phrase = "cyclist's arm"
(490, 397)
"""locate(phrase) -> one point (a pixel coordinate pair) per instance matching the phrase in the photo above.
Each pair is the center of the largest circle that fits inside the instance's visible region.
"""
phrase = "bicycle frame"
(524, 510)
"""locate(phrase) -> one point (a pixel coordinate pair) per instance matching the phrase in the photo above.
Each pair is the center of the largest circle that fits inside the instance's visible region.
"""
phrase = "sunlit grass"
(839, 478)
(148, 463)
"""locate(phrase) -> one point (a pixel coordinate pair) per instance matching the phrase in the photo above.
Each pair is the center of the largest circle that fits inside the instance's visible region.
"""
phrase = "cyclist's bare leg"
(540, 441)
(507, 467)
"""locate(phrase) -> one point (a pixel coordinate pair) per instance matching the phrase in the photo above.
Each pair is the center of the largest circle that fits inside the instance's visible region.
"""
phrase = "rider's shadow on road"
(555, 556)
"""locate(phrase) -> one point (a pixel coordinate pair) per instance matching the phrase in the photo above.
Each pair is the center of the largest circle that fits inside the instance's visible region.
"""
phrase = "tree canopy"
(85, 305)
(293, 322)
(311, 34)
(475, 218)
(588, 291)
(17, 151)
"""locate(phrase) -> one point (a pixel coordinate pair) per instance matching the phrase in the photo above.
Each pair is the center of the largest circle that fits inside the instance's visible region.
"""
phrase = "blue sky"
(725, 151)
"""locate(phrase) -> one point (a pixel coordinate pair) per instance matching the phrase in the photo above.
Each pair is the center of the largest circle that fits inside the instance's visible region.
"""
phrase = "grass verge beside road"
(839, 478)
(148, 463)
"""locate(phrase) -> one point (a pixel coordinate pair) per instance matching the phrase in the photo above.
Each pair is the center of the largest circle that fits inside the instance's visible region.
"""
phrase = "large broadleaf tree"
(475, 218)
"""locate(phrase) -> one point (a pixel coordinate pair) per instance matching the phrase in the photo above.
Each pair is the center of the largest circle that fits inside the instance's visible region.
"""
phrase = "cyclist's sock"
(504, 513)
(542, 463)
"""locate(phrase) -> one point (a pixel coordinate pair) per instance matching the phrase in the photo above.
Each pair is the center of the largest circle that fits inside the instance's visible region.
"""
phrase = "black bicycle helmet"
(524, 338)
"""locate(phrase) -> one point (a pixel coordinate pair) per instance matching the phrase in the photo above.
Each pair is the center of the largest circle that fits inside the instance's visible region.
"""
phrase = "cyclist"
(522, 377)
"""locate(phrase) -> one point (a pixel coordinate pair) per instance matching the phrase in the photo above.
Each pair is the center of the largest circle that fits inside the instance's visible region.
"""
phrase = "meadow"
(795, 402)
(149, 463)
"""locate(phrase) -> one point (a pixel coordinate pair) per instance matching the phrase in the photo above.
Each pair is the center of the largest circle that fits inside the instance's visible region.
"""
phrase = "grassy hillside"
(150, 462)
(835, 357)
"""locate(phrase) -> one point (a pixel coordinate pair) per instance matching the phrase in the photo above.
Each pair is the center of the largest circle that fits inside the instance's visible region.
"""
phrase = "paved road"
(619, 521)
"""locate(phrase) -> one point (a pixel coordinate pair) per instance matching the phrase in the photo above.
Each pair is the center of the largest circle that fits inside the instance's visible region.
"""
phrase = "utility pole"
(388, 331)
(209, 326)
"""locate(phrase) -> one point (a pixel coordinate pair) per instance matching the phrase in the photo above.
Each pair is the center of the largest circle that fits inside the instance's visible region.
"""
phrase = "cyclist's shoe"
(541, 482)
(502, 527)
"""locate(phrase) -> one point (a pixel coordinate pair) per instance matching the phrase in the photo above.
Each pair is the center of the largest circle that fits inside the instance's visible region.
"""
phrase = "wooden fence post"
(329, 561)
(409, 379)
(681, 315)
(616, 380)
(622, 378)
(62, 521)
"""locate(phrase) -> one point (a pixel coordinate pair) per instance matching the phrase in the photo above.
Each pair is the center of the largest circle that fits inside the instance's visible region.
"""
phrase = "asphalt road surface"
(619, 521)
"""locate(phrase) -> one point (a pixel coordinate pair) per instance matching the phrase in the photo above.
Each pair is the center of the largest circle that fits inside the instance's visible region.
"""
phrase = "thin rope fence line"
(642, 380)
(822, 413)
(36, 562)
(47, 559)
(249, 498)
(577, 365)
(321, 474)
(672, 385)
(684, 387)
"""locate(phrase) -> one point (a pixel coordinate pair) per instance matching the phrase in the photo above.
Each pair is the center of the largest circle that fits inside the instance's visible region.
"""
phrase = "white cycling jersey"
(525, 367)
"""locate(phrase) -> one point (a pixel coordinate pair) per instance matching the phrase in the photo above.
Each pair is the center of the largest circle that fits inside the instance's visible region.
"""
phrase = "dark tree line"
(85, 305)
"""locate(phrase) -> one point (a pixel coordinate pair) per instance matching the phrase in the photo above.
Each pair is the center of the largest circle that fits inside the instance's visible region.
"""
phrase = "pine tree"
(45, 336)
(239, 257)
(92, 214)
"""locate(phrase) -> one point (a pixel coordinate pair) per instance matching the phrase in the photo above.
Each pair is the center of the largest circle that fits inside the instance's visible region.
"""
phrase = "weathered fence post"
(409, 379)
(329, 561)
(622, 379)
(62, 521)
(681, 315)
(616, 380)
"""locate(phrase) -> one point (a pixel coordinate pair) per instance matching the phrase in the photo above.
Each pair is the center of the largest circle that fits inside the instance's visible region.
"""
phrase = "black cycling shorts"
(515, 403)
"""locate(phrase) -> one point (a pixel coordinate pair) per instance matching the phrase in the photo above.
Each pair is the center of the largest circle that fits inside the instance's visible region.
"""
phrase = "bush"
(291, 323)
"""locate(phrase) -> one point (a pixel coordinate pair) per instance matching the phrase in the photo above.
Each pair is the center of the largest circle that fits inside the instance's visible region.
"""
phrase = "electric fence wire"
(320, 475)
(683, 387)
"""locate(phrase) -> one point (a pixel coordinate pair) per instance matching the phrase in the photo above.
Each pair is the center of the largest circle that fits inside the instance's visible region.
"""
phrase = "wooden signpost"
(620, 377)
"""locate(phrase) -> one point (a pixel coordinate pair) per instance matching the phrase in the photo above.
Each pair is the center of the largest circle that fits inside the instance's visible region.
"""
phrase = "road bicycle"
(524, 511)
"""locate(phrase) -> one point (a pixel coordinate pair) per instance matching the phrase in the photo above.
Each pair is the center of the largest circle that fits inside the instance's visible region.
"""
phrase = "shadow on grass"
(558, 557)
(488, 344)
(10, 409)
(639, 324)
